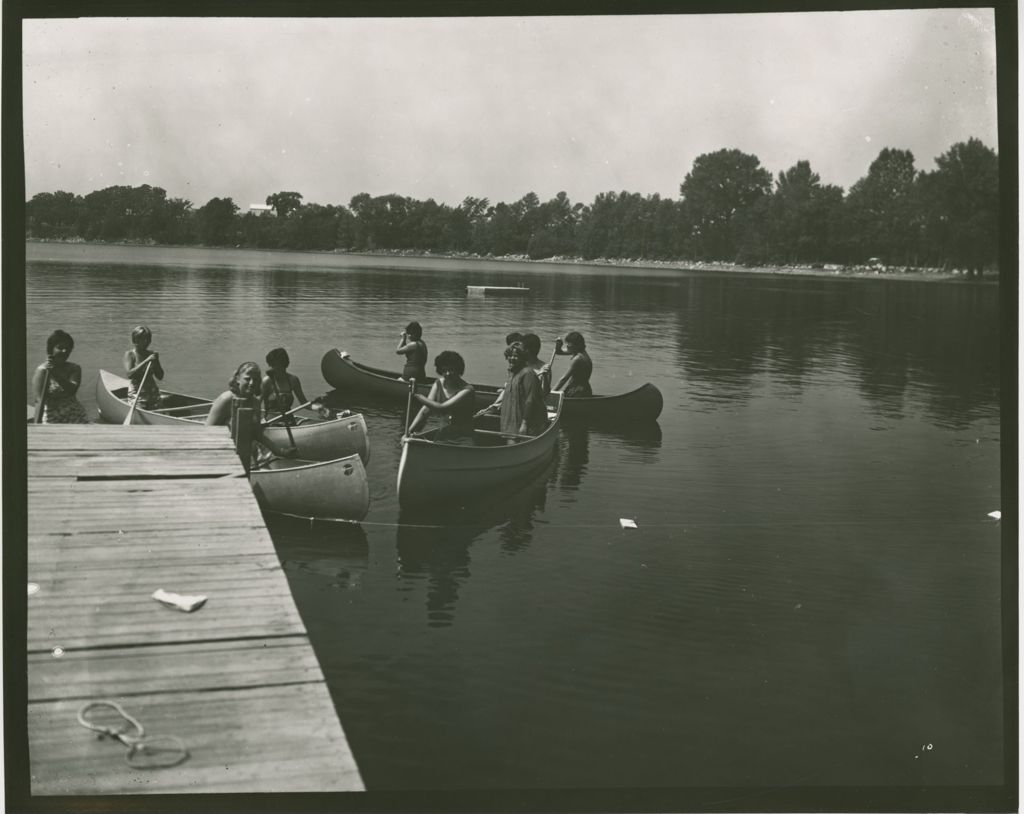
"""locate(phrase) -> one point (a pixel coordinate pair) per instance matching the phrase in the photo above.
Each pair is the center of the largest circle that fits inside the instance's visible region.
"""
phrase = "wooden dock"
(115, 513)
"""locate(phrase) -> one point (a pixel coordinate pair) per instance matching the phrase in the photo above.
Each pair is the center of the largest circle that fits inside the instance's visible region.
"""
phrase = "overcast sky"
(492, 107)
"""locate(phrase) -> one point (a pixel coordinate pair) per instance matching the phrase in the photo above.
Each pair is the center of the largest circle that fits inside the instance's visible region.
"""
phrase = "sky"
(495, 107)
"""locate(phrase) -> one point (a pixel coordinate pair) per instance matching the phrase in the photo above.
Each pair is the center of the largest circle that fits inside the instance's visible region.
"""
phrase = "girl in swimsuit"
(245, 385)
(576, 381)
(452, 397)
(136, 361)
(414, 349)
(62, 406)
(280, 388)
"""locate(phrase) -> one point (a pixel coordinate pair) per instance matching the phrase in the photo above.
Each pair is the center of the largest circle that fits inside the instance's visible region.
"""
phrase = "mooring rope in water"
(159, 752)
(708, 524)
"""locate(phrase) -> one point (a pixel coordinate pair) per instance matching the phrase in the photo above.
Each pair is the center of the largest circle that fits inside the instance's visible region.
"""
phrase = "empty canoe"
(432, 473)
(326, 490)
(314, 440)
(344, 373)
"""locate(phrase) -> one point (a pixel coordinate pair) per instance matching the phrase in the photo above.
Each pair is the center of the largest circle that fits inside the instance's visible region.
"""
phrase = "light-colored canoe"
(341, 371)
(326, 490)
(314, 440)
(432, 473)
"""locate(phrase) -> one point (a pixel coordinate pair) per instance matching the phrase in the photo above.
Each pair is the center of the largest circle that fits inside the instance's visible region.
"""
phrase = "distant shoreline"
(827, 270)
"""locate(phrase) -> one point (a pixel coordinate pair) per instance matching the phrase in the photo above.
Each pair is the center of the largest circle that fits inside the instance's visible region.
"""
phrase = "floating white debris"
(996, 514)
(626, 523)
(182, 603)
(33, 588)
(57, 652)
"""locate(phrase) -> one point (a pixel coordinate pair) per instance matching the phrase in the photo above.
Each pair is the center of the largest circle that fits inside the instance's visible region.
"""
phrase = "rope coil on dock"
(160, 752)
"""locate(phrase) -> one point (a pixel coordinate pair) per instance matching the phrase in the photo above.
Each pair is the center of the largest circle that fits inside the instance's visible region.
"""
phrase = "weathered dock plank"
(299, 747)
(172, 668)
(114, 513)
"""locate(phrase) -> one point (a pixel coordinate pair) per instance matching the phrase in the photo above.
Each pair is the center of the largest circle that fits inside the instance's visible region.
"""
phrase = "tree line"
(729, 209)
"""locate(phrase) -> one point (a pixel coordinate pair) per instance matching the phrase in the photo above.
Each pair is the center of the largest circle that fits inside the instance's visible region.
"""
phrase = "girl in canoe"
(522, 409)
(136, 362)
(280, 388)
(414, 349)
(543, 370)
(61, 405)
(531, 342)
(244, 384)
(576, 381)
(451, 397)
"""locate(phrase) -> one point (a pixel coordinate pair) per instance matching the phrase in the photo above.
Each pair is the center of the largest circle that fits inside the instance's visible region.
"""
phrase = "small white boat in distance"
(484, 290)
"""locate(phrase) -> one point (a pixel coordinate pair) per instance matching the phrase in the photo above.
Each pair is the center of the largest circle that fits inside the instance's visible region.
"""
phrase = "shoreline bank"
(834, 271)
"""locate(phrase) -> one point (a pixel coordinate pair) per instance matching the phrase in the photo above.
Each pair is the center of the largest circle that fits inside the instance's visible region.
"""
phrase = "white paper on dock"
(179, 601)
(626, 523)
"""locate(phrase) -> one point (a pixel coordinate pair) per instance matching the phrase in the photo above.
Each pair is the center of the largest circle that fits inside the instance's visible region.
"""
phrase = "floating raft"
(484, 290)
(114, 514)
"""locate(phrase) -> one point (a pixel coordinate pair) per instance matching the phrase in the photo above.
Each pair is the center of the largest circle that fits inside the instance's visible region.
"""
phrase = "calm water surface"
(811, 597)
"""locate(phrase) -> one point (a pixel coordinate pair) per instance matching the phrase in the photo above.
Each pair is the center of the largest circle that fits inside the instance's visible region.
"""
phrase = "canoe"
(326, 490)
(432, 473)
(314, 440)
(342, 372)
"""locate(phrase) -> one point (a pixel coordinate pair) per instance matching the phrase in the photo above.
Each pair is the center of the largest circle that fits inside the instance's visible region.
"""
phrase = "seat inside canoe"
(172, 403)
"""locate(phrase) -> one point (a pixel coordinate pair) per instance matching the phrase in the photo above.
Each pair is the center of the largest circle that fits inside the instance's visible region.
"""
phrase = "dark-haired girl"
(452, 397)
(414, 349)
(576, 381)
(280, 388)
(62, 405)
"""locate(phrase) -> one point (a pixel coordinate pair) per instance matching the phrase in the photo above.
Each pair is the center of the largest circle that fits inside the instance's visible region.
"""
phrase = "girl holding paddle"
(142, 364)
(56, 381)
(280, 388)
(452, 397)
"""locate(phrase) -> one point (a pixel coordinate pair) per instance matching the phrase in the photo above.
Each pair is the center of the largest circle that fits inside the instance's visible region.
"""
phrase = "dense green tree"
(720, 185)
(880, 209)
(284, 202)
(53, 214)
(801, 216)
(959, 202)
(216, 222)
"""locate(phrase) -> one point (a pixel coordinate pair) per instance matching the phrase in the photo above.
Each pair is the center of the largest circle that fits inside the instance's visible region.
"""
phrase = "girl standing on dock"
(576, 381)
(136, 363)
(56, 382)
(414, 349)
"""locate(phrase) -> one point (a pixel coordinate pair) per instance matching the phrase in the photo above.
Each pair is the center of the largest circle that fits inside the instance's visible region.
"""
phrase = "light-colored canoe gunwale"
(432, 473)
(314, 440)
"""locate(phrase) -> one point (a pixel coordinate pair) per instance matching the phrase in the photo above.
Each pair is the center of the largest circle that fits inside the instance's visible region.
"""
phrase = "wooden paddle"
(277, 418)
(408, 405)
(138, 394)
(42, 398)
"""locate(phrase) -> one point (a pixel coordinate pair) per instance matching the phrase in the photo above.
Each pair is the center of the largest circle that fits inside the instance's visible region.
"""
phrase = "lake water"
(812, 595)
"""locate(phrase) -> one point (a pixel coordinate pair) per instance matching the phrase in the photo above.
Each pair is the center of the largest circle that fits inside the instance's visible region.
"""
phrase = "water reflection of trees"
(937, 343)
